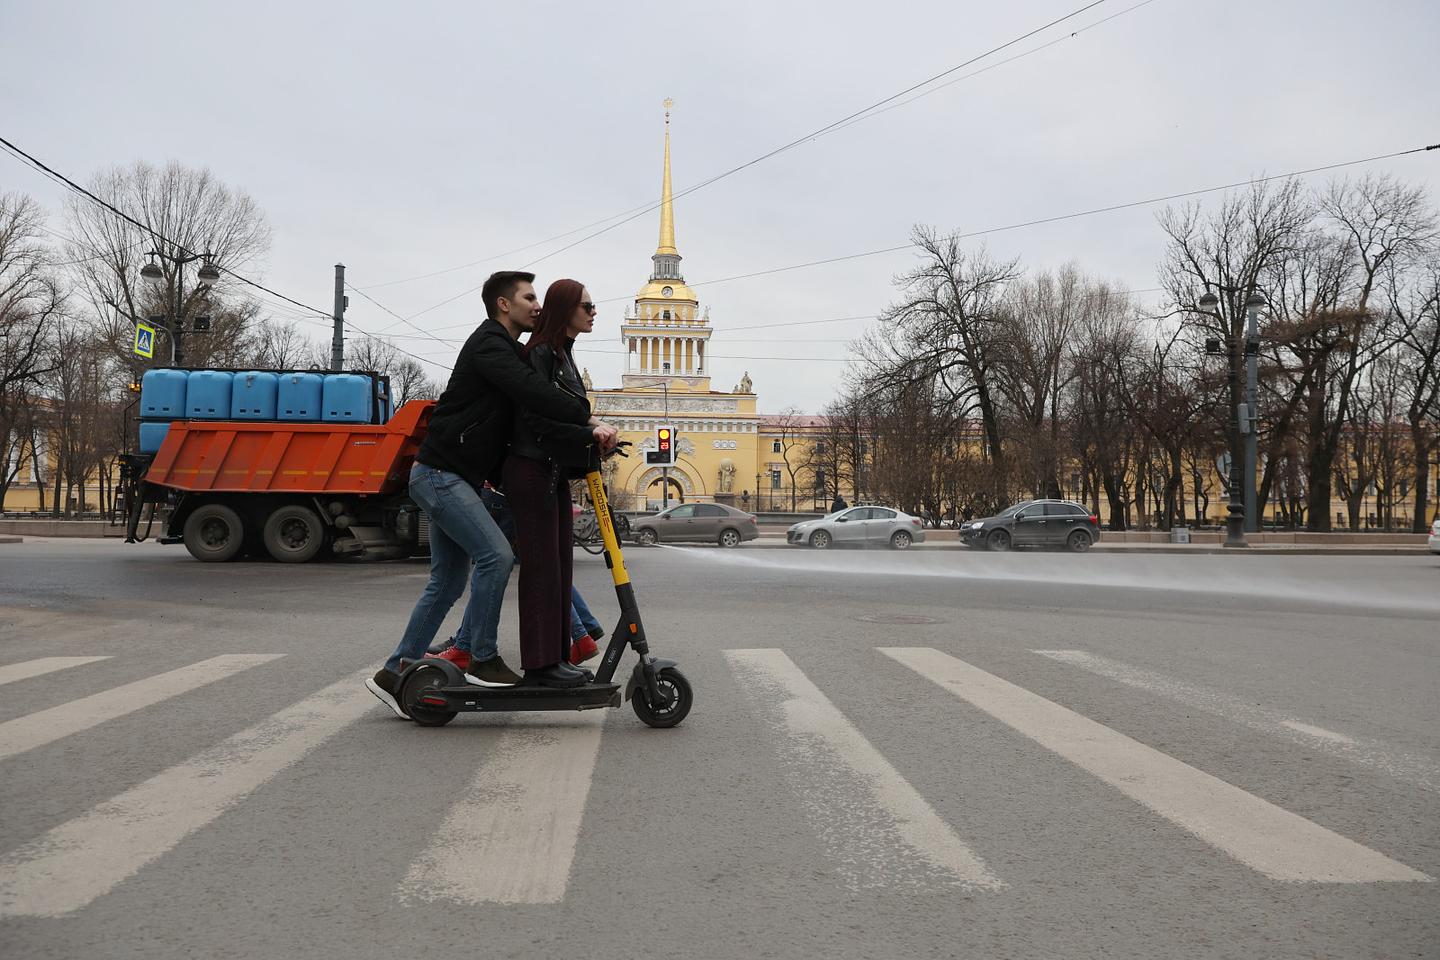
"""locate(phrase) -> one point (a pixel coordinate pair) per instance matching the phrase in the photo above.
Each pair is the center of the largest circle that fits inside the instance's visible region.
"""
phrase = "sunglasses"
(587, 306)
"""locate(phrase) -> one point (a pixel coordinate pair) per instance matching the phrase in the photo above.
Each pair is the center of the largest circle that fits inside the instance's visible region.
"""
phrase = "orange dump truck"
(296, 490)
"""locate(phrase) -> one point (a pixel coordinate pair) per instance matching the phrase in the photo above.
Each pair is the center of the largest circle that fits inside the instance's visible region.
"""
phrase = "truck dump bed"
(275, 457)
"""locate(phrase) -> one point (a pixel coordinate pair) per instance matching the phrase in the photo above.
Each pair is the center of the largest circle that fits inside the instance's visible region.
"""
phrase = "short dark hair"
(502, 283)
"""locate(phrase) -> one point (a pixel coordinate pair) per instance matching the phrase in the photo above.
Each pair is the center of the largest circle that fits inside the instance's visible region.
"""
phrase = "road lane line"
(47, 726)
(1280, 844)
(83, 859)
(1418, 770)
(1318, 732)
(511, 837)
(38, 668)
(874, 824)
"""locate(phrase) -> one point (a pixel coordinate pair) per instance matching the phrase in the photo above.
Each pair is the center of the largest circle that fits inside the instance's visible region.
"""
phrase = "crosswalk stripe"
(829, 759)
(511, 836)
(47, 726)
(38, 668)
(85, 858)
(1421, 771)
(1280, 844)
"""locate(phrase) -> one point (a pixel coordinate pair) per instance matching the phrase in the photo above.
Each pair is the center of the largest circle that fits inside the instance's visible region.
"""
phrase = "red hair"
(561, 301)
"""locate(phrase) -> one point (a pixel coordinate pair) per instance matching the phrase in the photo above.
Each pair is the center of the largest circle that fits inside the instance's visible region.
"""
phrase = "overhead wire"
(66, 182)
(812, 135)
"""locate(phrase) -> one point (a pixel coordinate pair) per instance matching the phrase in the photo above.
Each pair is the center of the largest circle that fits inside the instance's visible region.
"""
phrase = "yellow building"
(726, 451)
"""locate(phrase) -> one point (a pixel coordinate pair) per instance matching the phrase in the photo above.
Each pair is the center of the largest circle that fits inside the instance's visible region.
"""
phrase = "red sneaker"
(461, 658)
(583, 649)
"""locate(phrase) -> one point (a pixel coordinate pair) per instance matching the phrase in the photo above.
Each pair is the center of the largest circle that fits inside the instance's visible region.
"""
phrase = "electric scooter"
(432, 692)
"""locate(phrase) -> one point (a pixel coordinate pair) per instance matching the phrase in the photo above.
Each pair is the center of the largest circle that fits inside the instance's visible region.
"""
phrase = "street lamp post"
(1253, 305)
(1235, 522)
(174, 318)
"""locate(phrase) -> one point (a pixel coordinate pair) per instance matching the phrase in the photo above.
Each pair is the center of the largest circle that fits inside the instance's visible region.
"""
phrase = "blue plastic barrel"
(162, 393)
(152, 435)
(346, 399)
(299, 396)
(207, 396)
(253, 395)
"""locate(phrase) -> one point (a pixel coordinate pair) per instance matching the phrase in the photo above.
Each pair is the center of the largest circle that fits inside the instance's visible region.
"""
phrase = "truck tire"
(213, 533)
(294, 533)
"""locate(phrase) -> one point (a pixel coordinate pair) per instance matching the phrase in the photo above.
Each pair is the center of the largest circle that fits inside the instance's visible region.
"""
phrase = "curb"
(1284, 550)
(9, 539)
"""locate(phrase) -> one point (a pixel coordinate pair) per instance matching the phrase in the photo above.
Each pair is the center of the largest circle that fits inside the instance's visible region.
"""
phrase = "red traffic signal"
(664, 452)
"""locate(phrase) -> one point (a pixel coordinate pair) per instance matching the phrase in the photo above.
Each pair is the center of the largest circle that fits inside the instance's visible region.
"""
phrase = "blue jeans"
(464, 543)
(582, 621)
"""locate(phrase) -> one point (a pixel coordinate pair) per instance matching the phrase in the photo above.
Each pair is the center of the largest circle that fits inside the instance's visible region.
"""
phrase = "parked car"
(1035, 523)
(703, 522)
(1434, 539)
(858, 526)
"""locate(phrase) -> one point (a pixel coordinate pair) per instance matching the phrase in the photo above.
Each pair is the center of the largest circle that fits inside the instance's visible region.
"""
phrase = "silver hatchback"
(860, 527)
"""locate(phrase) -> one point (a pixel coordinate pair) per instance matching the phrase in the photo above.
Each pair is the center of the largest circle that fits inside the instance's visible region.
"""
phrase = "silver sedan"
(858, 526)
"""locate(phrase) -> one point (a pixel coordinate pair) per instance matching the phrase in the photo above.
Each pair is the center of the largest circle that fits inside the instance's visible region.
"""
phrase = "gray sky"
(406, 139)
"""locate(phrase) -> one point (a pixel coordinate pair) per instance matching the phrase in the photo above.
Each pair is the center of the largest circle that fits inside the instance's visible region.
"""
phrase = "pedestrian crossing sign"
(144, 339)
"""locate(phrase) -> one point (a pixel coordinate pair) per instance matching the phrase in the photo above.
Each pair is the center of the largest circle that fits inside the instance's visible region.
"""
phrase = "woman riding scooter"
(544, 456)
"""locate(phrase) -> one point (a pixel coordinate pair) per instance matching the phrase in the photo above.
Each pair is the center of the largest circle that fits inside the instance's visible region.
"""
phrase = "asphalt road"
(933, 754)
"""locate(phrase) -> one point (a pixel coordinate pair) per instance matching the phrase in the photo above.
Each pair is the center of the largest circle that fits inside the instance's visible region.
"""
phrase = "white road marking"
(47, 726)
(1280, 844)
(874, 824)
(1419, 770)
(1318, 732)
(70, 866)
(511, 837)
(42, 666)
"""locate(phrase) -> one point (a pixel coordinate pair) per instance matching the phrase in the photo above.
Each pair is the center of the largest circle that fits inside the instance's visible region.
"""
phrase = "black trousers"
(539, 498)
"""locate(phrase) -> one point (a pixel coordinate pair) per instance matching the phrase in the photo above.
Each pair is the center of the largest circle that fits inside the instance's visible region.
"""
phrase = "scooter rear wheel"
(678, 700)
(421, 680)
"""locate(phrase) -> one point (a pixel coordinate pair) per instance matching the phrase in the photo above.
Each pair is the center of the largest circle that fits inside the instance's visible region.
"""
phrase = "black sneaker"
(386, 686)
(491, 673)
(558, 675)
(598, 633)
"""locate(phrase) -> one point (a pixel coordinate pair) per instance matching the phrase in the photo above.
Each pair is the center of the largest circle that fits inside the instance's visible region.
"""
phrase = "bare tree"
(795, 448)
(30, 307)
(195, 214)
(942, 335)
(1416, 307)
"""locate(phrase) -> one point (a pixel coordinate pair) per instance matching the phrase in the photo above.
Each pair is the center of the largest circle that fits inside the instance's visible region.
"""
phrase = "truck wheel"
(213, 533)
(294, 534)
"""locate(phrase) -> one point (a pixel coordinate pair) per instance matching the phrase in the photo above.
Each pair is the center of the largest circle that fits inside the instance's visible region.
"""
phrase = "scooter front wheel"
(421, 680)
(676, 696)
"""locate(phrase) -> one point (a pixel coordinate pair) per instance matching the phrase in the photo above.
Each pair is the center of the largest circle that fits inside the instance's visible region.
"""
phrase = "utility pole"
(1253, 305)
(337, 339)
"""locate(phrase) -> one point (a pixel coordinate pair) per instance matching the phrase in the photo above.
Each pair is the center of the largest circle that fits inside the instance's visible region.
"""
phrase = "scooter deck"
(592, 696)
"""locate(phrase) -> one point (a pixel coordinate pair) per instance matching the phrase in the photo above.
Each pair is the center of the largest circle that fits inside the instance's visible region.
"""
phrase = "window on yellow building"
(775, 447)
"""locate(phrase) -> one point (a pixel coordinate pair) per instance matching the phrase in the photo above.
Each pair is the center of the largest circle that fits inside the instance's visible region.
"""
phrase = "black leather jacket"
(539, 437)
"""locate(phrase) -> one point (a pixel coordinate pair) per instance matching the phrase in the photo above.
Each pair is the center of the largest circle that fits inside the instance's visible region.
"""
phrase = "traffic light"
(664, 453)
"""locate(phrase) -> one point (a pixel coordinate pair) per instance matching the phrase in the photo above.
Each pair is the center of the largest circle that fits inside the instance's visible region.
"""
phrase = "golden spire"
(667, 212)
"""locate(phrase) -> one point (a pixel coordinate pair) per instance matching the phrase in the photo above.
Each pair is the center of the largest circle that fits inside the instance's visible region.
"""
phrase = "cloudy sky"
(408, 139)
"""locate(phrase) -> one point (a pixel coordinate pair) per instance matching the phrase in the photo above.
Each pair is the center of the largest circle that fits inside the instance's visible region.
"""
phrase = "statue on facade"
(585, 377)
(746, 386)
(727, 477)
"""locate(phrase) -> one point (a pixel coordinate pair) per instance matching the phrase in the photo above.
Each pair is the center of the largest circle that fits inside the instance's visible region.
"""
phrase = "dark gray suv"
(1035, 523)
